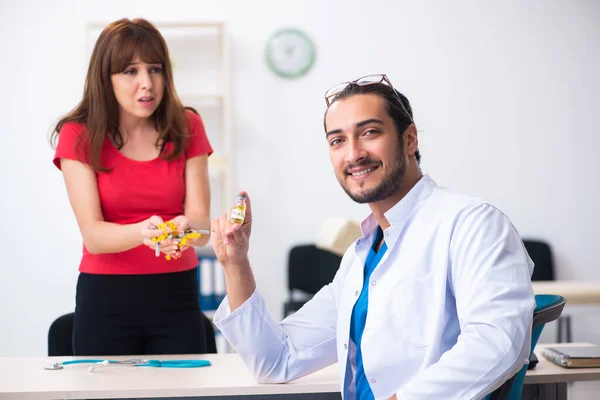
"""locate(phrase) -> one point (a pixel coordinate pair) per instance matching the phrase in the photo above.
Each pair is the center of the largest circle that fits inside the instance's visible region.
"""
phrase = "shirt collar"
(401, 209)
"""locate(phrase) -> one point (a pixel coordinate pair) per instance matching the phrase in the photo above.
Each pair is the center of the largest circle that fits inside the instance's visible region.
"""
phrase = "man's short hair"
(393, 107)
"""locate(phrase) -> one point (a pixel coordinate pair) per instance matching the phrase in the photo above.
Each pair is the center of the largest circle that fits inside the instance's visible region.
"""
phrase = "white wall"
(505, 96)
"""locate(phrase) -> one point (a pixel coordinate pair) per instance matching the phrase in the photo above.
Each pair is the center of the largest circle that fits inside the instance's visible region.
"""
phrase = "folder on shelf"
(219, 288)
(206, 283)
(573, 357)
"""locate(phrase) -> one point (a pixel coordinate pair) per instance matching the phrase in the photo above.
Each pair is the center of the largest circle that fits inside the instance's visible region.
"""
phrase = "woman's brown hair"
(117, 45)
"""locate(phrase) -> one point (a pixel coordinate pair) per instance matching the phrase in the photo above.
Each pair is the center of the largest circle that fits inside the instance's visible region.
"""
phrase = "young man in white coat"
(433, 302)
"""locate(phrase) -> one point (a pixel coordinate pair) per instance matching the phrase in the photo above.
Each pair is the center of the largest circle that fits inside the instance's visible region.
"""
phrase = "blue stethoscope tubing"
(136, 363)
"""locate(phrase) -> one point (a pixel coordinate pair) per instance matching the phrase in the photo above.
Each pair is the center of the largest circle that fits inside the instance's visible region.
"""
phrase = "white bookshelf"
(200, 56)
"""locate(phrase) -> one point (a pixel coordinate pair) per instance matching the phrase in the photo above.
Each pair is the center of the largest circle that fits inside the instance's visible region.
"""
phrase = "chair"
(60, 336)
(541, 255)
(548, 307)
(309, 269)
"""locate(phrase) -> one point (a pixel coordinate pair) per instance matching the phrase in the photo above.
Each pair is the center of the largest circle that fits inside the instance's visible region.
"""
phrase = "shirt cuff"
(251, 330)
(223, 316)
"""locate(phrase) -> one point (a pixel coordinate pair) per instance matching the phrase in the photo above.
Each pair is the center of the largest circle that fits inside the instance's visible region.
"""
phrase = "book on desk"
(573, 357)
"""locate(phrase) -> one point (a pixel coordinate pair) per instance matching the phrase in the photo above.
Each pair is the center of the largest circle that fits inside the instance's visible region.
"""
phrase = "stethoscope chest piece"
(53, 366)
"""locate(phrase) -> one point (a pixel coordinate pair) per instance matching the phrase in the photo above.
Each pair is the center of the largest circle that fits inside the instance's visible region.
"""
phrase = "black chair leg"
(564, 329)
(559, 330)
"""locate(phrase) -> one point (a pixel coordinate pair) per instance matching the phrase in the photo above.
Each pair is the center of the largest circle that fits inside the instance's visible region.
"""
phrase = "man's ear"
(411, 140)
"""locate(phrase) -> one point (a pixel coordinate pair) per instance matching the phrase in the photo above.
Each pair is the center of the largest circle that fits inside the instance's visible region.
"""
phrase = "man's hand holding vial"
(230, 235)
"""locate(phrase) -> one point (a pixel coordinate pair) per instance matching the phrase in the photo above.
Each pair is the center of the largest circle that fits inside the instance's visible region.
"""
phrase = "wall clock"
(290, 53)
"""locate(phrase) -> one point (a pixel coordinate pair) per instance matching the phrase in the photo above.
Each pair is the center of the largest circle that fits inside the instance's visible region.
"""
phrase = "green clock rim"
(302, 71)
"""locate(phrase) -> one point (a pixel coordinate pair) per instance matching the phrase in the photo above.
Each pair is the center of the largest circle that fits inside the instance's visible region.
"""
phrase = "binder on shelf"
(219, 289)
(206, 282)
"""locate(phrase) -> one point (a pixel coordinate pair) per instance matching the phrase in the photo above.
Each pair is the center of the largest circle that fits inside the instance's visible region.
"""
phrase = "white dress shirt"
(450, 306)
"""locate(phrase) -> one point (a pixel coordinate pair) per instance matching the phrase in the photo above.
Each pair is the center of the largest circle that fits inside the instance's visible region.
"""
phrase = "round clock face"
(290, 53)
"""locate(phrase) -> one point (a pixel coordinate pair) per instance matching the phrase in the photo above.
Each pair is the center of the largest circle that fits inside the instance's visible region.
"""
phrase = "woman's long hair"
(117, 45)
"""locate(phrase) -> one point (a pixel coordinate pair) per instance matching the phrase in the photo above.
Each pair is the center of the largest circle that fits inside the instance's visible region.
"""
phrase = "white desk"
(548, 372)
(552, 379)
(25, 378)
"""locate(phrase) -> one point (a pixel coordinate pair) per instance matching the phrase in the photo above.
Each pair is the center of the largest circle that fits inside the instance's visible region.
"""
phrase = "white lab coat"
(450, 306)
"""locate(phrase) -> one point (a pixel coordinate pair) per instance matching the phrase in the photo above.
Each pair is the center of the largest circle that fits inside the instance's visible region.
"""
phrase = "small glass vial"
(238, 212)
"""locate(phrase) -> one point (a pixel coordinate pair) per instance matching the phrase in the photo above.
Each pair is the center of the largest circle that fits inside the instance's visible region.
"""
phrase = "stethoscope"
(136, 362)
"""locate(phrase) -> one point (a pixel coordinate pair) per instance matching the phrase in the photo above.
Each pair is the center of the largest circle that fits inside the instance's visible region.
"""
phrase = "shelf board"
(189, 32)
(169, 24)
(191, 24)
(207, 100)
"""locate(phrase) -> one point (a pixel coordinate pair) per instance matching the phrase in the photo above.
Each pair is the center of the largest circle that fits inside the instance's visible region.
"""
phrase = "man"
(433, 302)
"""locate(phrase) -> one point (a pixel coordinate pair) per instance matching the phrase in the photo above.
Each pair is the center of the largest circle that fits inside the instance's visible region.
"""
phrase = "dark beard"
(389, 185)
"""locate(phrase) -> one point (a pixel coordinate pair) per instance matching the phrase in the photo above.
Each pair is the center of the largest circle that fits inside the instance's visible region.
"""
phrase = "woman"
(134, 157)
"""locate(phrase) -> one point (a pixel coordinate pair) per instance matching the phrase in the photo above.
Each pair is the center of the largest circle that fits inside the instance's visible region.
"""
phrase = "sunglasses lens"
(370, 79)
(337, 89)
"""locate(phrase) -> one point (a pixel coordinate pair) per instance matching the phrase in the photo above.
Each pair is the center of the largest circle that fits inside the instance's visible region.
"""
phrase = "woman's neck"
(130, 126)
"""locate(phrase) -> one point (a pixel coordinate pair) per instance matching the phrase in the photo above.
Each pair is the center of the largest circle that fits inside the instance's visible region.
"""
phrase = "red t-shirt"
(134, 191)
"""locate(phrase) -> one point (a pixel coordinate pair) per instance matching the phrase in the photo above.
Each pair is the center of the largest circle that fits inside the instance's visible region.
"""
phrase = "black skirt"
(138, 314)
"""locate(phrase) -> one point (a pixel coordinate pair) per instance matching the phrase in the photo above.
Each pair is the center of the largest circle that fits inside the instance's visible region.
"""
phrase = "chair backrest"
(60, 336)
(548, 307)
(311, 268)
(541, 255)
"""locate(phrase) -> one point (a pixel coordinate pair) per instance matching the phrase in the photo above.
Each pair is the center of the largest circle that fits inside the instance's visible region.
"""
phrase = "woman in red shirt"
(133, 157)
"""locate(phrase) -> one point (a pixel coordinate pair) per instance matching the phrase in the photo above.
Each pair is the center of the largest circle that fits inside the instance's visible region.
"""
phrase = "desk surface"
(26, 378)
(576, 292)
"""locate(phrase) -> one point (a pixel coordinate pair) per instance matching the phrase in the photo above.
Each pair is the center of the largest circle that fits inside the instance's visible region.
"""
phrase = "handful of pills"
(170, 232)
